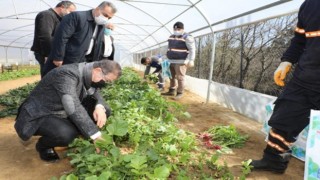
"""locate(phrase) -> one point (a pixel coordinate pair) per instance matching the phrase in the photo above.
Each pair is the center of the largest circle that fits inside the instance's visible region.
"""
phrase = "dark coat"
(63, 84)
(72, 39)
(304, 49)
(45, 26)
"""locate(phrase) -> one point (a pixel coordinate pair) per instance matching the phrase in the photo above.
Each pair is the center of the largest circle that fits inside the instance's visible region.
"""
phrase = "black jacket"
(72, 40)
(304, 49)
(45, 26)
(63, 84)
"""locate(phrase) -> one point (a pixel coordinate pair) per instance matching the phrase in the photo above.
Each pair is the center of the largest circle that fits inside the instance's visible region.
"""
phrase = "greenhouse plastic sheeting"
(140, 24)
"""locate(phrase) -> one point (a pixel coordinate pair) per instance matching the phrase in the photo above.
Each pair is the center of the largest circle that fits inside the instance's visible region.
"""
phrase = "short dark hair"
(106, 3)
(178, 25)
(65, 4)
(108, 66)
(143, 60)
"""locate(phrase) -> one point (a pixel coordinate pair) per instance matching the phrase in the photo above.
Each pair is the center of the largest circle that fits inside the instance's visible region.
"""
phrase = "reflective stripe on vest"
(313, 34)
(177, 48)
(299, 30)
(307, 34)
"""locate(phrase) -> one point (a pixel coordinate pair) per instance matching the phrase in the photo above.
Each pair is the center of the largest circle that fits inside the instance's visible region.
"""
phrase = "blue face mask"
(107, 32)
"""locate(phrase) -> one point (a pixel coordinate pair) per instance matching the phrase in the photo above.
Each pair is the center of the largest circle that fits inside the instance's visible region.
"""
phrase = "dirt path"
(205, 116)
(18, 161)
(12, 84)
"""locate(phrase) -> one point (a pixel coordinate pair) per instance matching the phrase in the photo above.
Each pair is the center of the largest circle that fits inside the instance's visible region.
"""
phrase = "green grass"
(21, 71)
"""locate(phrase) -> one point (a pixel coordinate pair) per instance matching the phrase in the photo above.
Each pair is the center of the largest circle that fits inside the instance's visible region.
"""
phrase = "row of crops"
(22, 71)
(141, 140)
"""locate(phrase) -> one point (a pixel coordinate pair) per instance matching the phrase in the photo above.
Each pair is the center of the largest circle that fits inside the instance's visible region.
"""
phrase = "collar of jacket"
(86, 73)
(57, 15)
(90, 15)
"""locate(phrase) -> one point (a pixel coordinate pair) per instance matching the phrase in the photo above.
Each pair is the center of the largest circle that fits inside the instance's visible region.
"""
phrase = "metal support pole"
(241, 58)
(211, 65)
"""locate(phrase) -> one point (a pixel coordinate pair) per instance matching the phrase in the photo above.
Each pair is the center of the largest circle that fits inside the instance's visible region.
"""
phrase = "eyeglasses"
(103, 75)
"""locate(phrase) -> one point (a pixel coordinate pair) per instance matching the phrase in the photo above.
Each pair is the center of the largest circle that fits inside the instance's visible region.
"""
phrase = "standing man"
(45, 26)
(181, 54)
(57, 109)
(108, 42)
(301, 94)
(155, 63)
(80, 36)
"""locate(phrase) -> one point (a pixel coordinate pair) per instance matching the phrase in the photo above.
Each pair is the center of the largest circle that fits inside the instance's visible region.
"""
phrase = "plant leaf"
(118, 128)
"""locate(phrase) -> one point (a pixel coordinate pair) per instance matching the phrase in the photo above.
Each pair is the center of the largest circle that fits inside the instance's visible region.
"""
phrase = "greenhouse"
(214, 130)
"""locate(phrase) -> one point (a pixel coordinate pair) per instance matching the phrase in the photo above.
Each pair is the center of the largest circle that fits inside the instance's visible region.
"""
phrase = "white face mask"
(177, 33)
(101, 20)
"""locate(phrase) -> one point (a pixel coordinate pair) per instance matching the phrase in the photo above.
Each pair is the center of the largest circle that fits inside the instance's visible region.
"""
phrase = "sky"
(134, 20)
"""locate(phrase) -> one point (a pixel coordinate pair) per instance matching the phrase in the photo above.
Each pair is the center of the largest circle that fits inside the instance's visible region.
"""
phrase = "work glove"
(281, 73)
(190, 64)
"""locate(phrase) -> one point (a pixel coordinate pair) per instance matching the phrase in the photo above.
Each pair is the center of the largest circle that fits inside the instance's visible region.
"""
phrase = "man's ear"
(96, 72)
(97, 69)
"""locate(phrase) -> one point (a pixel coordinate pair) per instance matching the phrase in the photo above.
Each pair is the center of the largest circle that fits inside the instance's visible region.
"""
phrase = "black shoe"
(171, 92)
(266, 165)
(47, 154)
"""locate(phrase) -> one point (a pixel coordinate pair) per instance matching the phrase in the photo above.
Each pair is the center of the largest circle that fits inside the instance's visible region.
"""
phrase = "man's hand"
(281, 73)
(57, 62)
(190, 64)
(99, 115)
(45, 59)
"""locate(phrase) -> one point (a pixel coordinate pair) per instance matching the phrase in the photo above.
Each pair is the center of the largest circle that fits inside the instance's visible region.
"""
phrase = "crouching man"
(65, 104)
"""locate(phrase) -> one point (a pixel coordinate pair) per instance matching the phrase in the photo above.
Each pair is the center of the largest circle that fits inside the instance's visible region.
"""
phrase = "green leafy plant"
(13, 99)
(23, 72)
(227, 136)
(246, 169)
(153, 78)
(140, 140)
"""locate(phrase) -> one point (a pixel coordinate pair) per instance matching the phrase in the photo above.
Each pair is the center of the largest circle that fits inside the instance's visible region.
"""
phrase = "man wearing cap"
(181, 54)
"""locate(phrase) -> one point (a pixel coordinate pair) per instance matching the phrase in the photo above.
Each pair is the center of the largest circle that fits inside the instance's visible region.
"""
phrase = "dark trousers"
(290, 116)
(55, 131)
(292, 110)
(41, 59)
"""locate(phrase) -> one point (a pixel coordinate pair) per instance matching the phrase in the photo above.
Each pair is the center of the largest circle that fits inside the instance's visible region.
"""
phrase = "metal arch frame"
(212, 48)
(162, 25)
(9, 45)
(131, 23)
(213, 33)
(15, 29)
(125, 19)
(15, 10)
(171, 20)
(138, 27)
(228, 19)
(16, 14)
(11, 16)
(149, 35)
(157, 3)
(129, 33)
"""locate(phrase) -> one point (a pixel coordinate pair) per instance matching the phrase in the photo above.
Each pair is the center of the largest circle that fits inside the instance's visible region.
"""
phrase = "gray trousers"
(178, 71)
